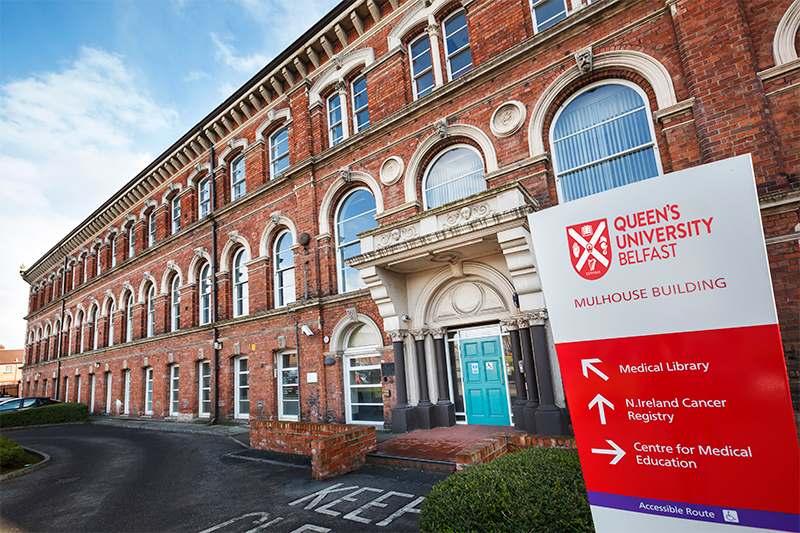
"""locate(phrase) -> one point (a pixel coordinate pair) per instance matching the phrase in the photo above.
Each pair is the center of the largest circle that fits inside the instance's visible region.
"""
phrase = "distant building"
(10, 371)
(345, 238)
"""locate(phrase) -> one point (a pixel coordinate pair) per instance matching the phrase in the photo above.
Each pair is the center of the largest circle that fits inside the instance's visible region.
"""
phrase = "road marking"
(326, 509)
(377, 502)
(262, 517)
(311, 527)
(410, 508)
(320, 495)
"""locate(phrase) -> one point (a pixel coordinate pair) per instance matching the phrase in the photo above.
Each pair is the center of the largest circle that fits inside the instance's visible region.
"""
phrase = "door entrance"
(483, 374)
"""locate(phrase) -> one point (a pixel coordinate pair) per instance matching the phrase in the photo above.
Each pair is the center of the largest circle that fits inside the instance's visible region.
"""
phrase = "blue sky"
(92, 91)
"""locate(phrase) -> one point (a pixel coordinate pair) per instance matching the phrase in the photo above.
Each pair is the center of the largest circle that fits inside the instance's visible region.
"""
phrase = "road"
(110, 479)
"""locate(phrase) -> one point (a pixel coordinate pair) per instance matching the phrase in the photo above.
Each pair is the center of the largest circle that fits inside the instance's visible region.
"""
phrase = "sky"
(92, 91)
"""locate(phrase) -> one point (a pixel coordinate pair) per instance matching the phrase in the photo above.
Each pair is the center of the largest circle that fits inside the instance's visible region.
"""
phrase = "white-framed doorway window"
(148, 391)
(108, 392)
(362, 376)
(126, 380)
(288, 387)
(174, 389)
(204, 389)
(242, 388)
(91, 400)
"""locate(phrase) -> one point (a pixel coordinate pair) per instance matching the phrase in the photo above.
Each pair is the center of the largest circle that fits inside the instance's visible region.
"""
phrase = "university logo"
(590, 249)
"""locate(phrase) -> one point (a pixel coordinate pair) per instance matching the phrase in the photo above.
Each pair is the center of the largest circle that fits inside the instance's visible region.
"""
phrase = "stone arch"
(200, 171)
(232, 147)
(148, 206)
(339, 69)
(129, 221)
(453, 130)
(273, 117)
(783, 50)
(201, 257)
(235, 240)
(111, 234)
(127, 291)
(172, 269)
(276, 223)
(486, 291)
(346, 324)
(648, 67)
(107, 302)
(173, 189)
(68, 319)
(422, 12)
(147, 279)
(326, 206)
(96, 243)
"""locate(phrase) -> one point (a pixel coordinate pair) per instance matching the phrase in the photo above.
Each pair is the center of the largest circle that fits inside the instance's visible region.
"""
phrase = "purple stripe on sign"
(734, 516)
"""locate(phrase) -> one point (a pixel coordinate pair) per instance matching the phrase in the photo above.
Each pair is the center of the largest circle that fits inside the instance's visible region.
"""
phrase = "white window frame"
(203, 404)
(241, 388)
(646, 107)
(129, 319)
(148, 390)
(205, 295)
(74, 275)
(131, 242)
(238, 180)
(174, 390)
(85, 268)
(66, 388)
(433, 162)
(151, 229)
(151, 311)
(347, 357)
(417, 75)
(108, 392)
(175, 304)
(281, 299)
(83, 335)
(126, 380)
(111, 310)
(281, 371)
(78, 388)
(91, 396)
(240, 284)
(97, 255)
(273, 159)
(341, 266)
(543, 25)
(204, 198)
(95, 329)
(450, 53)
(358, 127)
(69, 334)
(175, 209)
(341, 98)
(113, 251)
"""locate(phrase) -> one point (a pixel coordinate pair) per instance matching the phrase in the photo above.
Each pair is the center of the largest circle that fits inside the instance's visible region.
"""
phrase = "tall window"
(284, 270)
(240, 290)
(362, 367)
(67, 328)
(242, 385)
(421, 66)
(129, 319)
(108, 392)
(97, 270)
(288, 386)
(204, 197)
(148, 391)
(454, 174)
(204, 389)
(356, 214)
(95, 329)
(456, 45)
(335, 125)
(547, 12)
(131, 242)
(279, 152)
(151, 228)
(85, 268)
(176, 214)
(91, 393)
(205, 294)
(113, 251)
(238, 186)
(603, 138)
(151, 311)
(360, 104)
(82, 326)
(126, 395)
(175, 304)
(78, 388)
(111, 310)
(74, 275)
(174, 388)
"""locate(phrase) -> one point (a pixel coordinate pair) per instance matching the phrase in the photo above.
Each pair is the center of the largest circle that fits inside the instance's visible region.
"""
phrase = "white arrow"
(599, 401)
(616, 451)
(586, 365)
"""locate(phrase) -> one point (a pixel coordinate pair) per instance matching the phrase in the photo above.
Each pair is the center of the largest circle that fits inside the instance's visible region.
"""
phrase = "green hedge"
(535, 490)
(60, 413)
(11, 454)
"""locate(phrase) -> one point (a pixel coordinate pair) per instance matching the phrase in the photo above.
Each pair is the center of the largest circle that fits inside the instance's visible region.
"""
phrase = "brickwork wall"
(500, 444)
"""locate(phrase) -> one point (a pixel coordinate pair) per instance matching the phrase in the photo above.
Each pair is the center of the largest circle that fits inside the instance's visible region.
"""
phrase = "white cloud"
(196, 75)
(226, 89)
(228, 54)
(68, 141)
(286, 21)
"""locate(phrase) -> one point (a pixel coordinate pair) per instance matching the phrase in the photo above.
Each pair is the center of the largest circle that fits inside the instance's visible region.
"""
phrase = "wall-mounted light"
(217, 345)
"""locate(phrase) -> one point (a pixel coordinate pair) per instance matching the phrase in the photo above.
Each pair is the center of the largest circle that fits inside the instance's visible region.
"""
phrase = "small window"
(175, 304)
(151, 229)
(603, 138)
(114, 252)
(151, 311)
(335, 126)
(9, 369)
(174, 390)
(240, 288)
(421, 66)
(176, 214)
(360, 104)
(129, 319)
(204, 389)
(148, 398)
(454, 174)
(284, 270)
(456, 43)
(205, 294)
(279, 152)
(238, 185)
(355, 215)
(131, 242)
(204, 197)
(242, 386)
(547, 12)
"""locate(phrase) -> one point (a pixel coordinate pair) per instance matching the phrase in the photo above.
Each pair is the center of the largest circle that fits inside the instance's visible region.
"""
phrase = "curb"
(28, 469)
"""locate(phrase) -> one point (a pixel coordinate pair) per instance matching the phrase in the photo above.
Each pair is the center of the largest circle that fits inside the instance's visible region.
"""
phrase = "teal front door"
(485, 393)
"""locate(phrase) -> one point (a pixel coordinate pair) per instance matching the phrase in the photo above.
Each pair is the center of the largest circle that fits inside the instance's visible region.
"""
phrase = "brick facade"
(708, 72)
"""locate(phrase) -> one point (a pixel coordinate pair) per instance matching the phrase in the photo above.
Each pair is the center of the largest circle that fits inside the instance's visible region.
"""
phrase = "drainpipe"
(60, 335)
(214, 294)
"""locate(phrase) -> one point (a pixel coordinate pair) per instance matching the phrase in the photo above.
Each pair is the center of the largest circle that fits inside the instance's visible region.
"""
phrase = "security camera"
(307, 330)
(405, 318)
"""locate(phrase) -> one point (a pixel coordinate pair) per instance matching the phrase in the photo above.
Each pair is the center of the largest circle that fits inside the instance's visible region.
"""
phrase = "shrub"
(60, 413)
(11, 454)
(539, 489)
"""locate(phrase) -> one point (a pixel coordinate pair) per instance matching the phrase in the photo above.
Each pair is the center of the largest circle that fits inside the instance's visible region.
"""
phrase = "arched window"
(456, 45)
(603, 138)
(204, 197)
(151, 311)
(421, 66)
(205, 294)
(111, 310)
(355, 215)
(453, 174)
(284, 270)
(240, 290)
(175, 303)
(362, 367)
(278, 152)
(238, 185)
(129, 319)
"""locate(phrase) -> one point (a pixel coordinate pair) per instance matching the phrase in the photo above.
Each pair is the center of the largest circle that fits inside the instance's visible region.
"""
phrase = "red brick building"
(345, 238)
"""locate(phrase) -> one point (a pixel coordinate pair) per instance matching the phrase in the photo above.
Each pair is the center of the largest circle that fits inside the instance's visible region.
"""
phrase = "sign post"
(661, 308)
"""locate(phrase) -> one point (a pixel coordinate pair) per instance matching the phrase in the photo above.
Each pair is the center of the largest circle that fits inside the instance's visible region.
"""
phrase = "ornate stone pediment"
(466, 299)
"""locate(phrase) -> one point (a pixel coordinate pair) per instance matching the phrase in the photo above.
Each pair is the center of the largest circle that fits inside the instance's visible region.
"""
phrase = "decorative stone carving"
(441, 127)
(127, 286)
(338, 61)
(344, 174)
(467, 214)
(437, 333)
(275, 216)
(507, 119)
(200, 353)
(432, 30)
(583, 58)
(396, 335)
(444, 257)
(341, 87)
(237, 348)
(352, 313)
(510, 324)
(171, 265)
(199, 251)
(537, 318)
(109, 294)
(396, 235)
(418, 334)
(391, 170)
(233, 235)
(281, 341)
(171, 358)
(468, 299)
